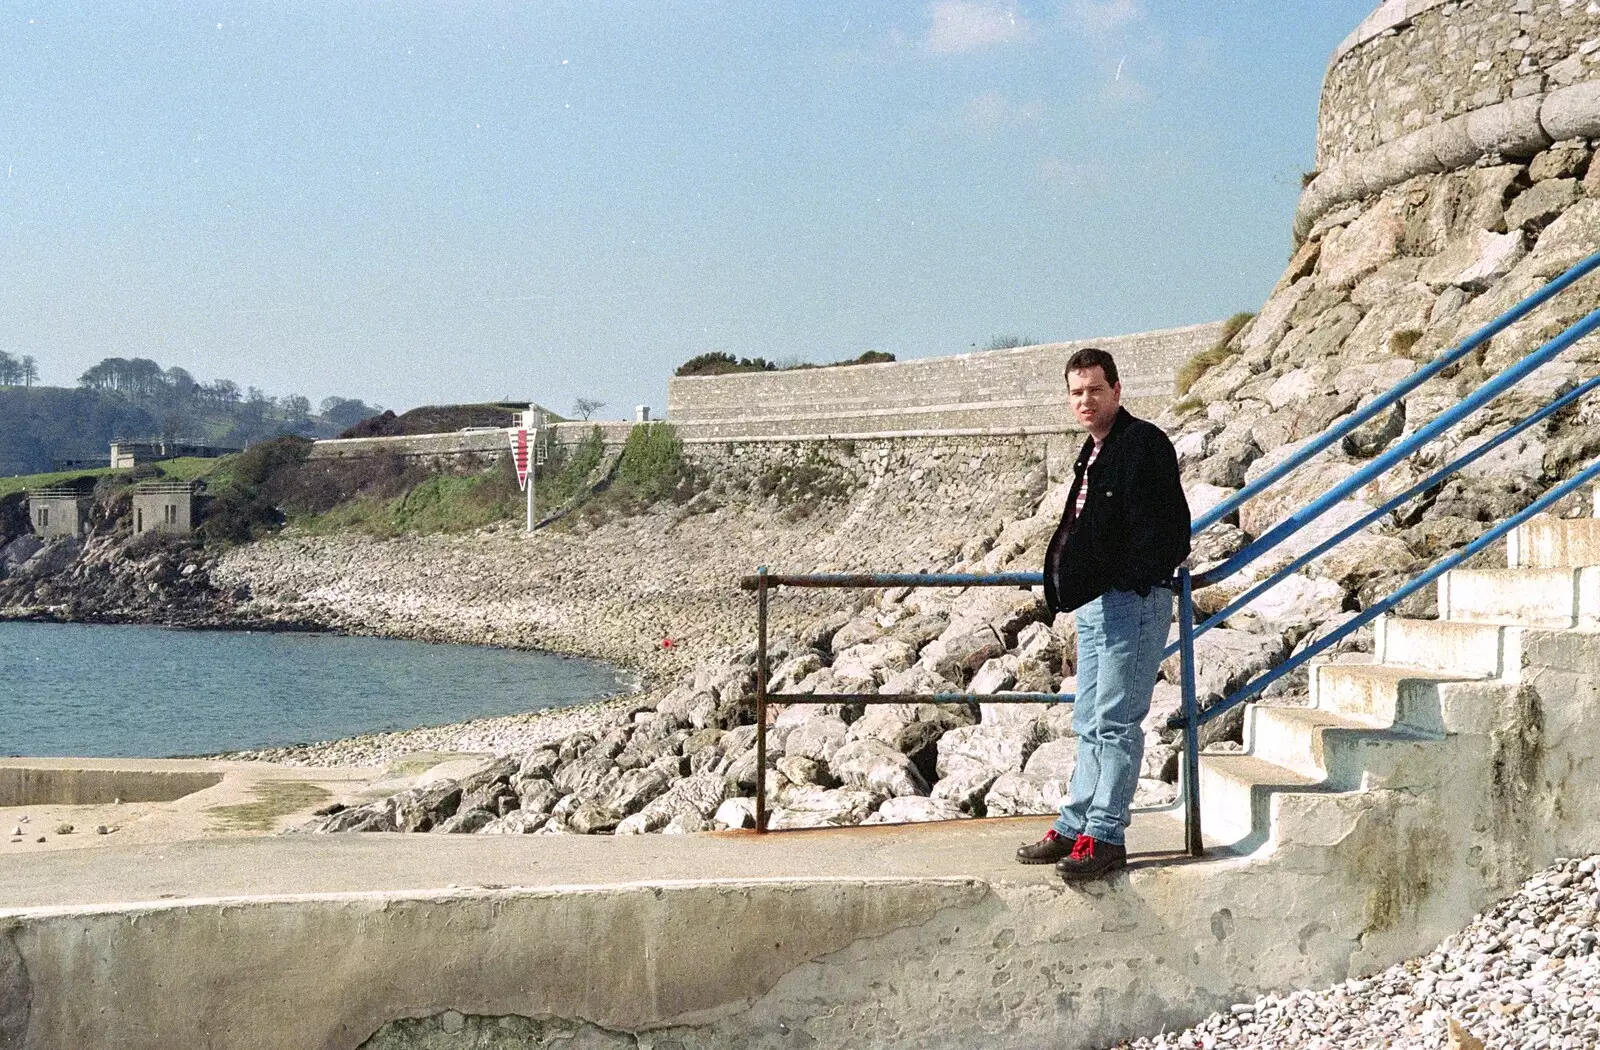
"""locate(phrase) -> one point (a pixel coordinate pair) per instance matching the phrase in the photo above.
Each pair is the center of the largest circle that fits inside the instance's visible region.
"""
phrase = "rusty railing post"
(761, 700)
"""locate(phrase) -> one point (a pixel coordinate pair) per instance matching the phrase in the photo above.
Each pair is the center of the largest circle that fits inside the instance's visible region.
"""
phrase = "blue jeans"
(1120, 640)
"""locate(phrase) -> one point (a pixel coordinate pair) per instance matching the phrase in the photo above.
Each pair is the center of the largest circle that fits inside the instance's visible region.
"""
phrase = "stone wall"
(1431, 86)
(487, 444)
(1438, 59)
(1017, 391)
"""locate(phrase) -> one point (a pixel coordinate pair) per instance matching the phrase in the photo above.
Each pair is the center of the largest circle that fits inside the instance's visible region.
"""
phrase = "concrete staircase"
(1379, 724)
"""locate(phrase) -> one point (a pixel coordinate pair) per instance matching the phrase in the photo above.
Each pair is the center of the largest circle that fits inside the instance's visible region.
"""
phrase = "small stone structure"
(163, 506)
(125, 455)
(61, 510)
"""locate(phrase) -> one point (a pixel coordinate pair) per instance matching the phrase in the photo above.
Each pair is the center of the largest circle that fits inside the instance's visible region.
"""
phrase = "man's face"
(1094, 401)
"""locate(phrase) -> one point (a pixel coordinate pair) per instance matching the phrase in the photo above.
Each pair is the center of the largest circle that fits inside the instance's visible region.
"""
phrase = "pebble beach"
(1523, 975)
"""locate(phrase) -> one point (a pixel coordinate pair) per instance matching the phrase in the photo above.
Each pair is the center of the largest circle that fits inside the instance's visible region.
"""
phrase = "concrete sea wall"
(487, 444)
(995, 391)
(992, 394)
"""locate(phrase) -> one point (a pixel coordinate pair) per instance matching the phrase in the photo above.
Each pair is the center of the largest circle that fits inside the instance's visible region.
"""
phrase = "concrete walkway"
(127, 875)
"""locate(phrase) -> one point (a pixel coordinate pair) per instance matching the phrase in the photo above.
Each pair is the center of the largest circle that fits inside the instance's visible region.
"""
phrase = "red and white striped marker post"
(522, 440)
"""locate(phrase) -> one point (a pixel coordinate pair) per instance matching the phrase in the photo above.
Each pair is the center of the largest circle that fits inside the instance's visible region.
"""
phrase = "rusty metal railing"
(763, 582)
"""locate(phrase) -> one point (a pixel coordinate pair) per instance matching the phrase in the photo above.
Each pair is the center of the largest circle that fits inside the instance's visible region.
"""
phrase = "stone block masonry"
(486, 443)
(992, 394)
(1437, 59)
(1431, 86)
(1017, 391)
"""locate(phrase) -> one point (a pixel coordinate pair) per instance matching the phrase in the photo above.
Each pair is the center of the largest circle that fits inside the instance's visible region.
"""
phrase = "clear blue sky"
(419, 203)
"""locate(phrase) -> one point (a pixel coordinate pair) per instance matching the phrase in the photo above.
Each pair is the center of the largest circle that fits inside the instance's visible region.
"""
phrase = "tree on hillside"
(30, 372)
(345, 413)
(296, 411)
(137, 377)
(181, 386)
(585, 407)
(10, 370)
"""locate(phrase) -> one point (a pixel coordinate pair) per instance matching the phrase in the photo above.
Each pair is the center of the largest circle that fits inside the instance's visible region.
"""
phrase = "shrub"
(720, 364)
(14, 519)
(652, 462)
(1010, 342)
(570, 471)
(243, 501)
(806, 483)
(1190, 371)
(1404, 342)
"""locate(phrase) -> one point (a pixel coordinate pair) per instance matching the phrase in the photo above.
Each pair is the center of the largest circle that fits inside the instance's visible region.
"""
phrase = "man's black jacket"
(1134, 529)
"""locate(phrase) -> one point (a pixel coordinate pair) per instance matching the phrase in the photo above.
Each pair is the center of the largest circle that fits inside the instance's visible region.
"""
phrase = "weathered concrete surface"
(887, 937)
(171, 800)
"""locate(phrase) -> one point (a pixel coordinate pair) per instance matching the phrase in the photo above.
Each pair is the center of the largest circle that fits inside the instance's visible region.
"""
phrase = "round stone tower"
(1430, 86)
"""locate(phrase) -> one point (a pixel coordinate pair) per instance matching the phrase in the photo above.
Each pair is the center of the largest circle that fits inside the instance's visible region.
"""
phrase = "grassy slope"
(418, 501)
(186, 469)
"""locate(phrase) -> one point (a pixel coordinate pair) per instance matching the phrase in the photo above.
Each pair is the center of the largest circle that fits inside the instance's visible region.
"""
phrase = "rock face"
(1381, 285)
(111, 576)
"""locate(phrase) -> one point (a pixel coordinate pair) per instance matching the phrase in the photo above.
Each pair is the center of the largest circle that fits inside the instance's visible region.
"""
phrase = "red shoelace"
(1083, 848)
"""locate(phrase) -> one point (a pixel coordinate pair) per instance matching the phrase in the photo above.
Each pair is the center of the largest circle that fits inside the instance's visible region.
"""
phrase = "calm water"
(70, 689)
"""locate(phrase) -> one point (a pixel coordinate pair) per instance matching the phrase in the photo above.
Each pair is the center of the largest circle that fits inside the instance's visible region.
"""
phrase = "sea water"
(93, 690)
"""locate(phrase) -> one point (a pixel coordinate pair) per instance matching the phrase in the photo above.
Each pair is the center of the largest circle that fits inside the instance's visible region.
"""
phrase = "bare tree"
(587, 406)
(30, 371)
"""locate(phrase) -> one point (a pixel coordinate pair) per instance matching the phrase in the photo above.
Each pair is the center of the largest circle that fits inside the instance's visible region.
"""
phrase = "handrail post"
(761, 700)
(1191, 719)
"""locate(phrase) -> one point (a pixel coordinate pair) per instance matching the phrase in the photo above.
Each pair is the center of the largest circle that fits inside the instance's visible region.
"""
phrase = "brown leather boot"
(1092, 859)
(1048, 850)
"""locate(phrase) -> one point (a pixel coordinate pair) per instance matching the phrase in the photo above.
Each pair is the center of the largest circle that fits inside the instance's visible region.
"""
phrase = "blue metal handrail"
(1400, 450)
(1400, 390)
(1376, 610)
(1191, 718)
(1436, 478)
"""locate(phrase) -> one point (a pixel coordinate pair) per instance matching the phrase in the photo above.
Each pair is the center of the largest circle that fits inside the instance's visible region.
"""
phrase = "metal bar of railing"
(1491, 389)
(1416, 379)
(1191, 719)
(1436, 478)
(1438, 569)
(763, 582)
(897, 579)
(921, 698)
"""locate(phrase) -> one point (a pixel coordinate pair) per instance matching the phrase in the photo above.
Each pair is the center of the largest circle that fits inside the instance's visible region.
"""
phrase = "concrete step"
(1304, 740)
(1548, 542)
(1385, 695)
(1454, 647)
(1339, 752)
(1236, 796)
(1553, 599)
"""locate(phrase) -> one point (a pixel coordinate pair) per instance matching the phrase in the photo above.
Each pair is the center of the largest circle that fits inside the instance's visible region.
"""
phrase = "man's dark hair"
(1092, 357)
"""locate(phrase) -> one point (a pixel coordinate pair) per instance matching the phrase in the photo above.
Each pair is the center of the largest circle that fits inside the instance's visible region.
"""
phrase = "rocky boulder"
(875, 766)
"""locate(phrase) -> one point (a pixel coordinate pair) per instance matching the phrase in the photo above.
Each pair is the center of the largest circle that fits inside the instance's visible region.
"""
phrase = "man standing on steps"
(1123, 532)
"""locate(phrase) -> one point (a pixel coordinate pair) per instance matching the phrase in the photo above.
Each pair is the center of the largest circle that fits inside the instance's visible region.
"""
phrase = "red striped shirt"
(1083, 490)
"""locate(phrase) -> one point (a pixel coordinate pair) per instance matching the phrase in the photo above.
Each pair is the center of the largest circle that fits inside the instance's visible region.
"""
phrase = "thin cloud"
(962, 26)
(1075, 179)
(992, 112)
(1099, 17)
